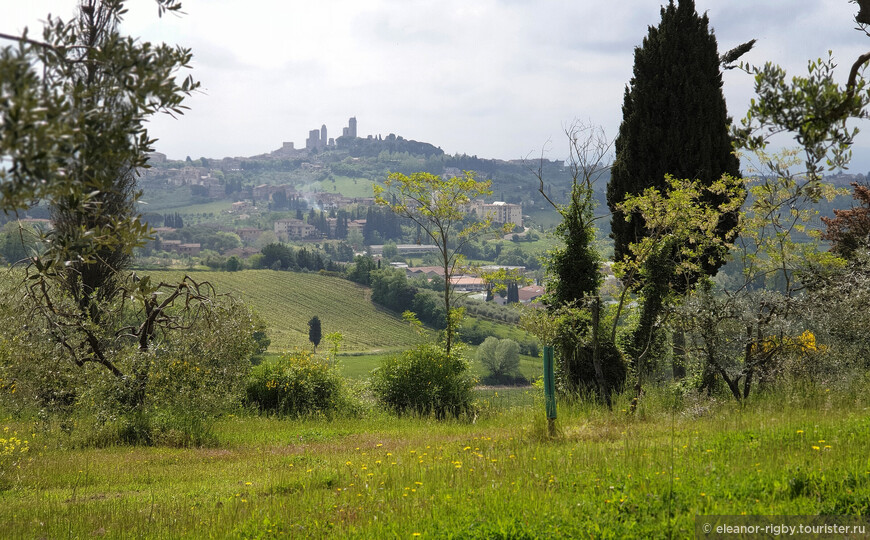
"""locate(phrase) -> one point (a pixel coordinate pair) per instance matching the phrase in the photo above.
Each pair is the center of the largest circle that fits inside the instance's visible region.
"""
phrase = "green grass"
(607, 475)
(287, 300)
(360, 366)
(213, 207)
(349, 187)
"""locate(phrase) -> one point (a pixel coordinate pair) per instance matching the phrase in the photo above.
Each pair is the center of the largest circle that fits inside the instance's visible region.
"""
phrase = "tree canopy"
(674, 120)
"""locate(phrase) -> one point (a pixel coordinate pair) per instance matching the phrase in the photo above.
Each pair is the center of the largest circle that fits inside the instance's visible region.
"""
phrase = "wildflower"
(815, 447)
(800, 431)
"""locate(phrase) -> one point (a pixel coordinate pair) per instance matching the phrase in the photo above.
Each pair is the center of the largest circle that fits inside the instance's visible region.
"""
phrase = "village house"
(295, 229)
(188, 249)
(249, 234)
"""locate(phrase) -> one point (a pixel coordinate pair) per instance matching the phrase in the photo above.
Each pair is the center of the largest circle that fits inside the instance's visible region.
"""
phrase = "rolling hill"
(286, 301)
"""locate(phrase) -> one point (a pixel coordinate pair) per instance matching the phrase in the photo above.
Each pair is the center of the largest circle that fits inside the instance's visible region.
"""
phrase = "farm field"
(286, 301)
(607, 475)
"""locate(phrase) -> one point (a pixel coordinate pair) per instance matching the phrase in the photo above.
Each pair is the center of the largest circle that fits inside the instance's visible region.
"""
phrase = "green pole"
(549, 388)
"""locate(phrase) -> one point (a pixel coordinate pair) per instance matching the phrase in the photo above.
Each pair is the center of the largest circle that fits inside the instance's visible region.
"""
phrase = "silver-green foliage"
(172, 394)
(499, 356)
(73, 112)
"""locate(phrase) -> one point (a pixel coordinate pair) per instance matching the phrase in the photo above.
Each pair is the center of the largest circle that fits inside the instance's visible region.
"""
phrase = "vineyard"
(287, 300)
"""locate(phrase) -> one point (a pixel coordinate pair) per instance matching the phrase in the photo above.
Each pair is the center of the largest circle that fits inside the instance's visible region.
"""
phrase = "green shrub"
(169, 395)
(575, 371)
(500, 356)
(425, 380)
(297, 384)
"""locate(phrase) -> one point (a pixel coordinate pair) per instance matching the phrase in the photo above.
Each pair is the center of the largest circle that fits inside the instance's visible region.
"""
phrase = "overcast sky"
(492, 78)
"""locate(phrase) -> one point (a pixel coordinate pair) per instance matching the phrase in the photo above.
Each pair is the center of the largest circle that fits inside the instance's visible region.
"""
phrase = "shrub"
(171, 393)
(297, 384)
(425, 380)
(575, 372)
(500, 357)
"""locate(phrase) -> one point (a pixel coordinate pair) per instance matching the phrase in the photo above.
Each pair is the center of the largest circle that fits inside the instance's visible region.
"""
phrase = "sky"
(491, 78)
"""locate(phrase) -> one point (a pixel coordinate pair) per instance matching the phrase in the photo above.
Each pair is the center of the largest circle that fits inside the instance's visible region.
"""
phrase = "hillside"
(287, 300)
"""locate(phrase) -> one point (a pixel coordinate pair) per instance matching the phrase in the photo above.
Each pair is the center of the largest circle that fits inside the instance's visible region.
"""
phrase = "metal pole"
(549, 389)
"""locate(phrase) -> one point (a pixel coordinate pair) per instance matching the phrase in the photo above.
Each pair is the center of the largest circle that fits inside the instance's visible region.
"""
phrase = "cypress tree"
(314, 331)
(674, 120)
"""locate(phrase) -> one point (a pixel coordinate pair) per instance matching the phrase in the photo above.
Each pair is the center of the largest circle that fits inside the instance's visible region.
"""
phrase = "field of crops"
(286, 301)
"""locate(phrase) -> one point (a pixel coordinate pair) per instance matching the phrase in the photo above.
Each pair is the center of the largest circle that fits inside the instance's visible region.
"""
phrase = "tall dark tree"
(314, 332)
(674, 120)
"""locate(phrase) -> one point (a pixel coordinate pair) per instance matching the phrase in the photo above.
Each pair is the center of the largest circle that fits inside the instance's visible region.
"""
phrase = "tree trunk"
(603, 391)
(679, 362)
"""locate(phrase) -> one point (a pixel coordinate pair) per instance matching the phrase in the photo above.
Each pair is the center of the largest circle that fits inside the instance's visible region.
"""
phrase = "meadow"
(604, 475)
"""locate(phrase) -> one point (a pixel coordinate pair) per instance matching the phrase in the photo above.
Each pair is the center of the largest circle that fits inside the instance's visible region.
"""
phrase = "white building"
(498, 212)
(293, 228)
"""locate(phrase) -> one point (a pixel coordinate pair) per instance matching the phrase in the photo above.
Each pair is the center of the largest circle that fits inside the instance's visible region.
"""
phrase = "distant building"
(293, 228)
(405, 249)
(356, 225)
(498, 212)
(188, 249)
(313, 140)
(156, 157)
(468, 283)
(530, 293)
(350, 130)
(249, 234)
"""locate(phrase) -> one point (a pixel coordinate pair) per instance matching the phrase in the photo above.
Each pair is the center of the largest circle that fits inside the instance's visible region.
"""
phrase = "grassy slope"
(287, 300)
(360, 366)
(608, 476)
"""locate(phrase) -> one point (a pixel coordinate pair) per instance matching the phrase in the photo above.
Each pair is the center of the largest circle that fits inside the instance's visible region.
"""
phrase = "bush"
(425, 380)
(297, 384)
(171, 393)
(500, 357)
(575, 372)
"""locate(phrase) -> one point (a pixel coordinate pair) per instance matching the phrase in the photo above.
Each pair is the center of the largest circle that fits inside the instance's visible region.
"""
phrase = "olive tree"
(73, 116)
(439, 207)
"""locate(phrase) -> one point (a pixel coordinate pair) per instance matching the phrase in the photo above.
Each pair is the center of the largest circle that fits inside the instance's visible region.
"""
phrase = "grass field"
(607, 475)
(349, 187)
(359, 367)
(287, 300)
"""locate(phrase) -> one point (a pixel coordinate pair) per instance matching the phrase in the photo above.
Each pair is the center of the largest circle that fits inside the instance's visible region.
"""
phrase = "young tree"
(573, 274)
(573, 269)
(314, 332)
(437, 205)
